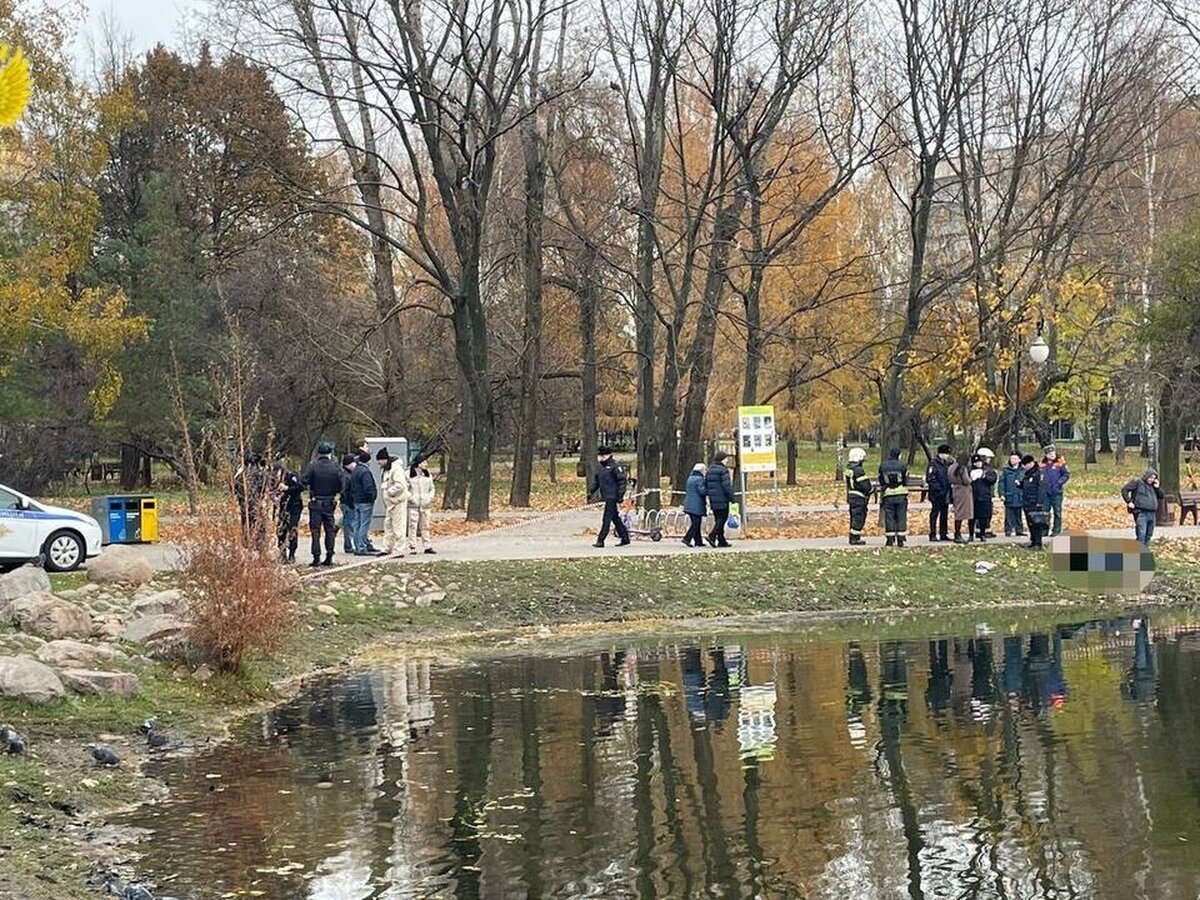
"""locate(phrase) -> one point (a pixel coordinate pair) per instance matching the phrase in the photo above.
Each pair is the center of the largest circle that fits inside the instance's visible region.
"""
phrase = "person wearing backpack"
(610, 482)
(893, 481)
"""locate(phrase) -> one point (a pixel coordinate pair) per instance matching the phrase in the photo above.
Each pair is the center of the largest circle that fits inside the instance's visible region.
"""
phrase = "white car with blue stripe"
(61, 538)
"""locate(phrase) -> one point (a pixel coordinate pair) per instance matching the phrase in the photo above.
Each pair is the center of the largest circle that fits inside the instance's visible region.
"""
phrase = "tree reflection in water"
(1058, 763)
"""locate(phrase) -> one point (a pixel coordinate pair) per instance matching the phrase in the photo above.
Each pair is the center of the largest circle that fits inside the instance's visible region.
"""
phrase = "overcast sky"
(147, 22)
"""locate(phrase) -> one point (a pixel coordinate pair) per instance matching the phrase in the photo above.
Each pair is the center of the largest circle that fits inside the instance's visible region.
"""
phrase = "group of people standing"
(1032, 494)
(408, 495)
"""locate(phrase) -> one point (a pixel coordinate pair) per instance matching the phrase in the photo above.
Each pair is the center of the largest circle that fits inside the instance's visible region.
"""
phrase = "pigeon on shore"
(102, 755)
(157, 740)
(11, 741)
(129, 891)
(148, 726)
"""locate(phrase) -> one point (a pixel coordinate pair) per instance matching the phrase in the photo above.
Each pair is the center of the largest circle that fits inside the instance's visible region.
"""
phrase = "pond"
(1059, 763)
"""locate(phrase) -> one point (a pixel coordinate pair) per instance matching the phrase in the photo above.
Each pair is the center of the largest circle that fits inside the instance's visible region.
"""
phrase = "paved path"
(569, 535)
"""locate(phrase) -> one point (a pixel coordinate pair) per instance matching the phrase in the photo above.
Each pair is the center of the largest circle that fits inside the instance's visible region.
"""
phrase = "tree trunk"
(791, 462)
(588, 305)
(700, 354)
(131, 465)
(820, 437)
(531, 350)
(1105, 424)
(147, 475)
(1169, 440)
(471, 350)
(458, 472)
(754, 336)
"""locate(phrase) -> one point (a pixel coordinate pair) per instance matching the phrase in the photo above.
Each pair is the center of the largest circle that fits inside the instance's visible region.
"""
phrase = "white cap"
(856, 454)
(985, 452)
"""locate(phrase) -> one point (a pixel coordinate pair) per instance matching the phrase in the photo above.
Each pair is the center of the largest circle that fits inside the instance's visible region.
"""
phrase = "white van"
(29, 530)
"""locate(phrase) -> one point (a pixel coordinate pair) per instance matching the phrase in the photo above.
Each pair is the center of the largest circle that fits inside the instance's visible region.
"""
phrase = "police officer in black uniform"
(893, 477)
(610, 482)
(858, 490)
(323, 481)
(290, 504)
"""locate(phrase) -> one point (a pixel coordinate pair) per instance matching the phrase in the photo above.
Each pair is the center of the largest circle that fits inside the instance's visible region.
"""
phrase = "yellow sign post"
(756, 450)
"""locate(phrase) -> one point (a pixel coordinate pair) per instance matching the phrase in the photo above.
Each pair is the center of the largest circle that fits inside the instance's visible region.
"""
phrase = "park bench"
(917, 483)
(1189, 502)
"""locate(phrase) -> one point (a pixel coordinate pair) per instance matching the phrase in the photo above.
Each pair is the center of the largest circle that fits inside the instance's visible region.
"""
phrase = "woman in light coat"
(964, 497)
(420, 505)
(395, 504)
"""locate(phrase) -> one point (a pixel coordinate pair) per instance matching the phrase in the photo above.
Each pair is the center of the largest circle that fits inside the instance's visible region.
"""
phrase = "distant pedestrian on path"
(1034, 500)
(1142, 496)
(719, 484)
(893, 481)
(1011, 495)
(858, 492)
(695, 506)
(323, 479)
(983, 483)
(964, 498)
(395, 503)
(609, 483)
(420, 506)
(1056, 475)
(937, 484)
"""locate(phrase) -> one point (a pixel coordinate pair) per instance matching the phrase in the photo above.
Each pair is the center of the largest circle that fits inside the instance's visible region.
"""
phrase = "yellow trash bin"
(149, 520)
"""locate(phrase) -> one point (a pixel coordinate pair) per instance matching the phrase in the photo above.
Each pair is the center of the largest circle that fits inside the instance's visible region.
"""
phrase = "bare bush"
(240, 600)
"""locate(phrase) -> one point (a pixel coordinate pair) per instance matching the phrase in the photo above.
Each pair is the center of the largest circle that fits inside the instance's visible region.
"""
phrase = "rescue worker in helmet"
(893, 480)
(858, 491)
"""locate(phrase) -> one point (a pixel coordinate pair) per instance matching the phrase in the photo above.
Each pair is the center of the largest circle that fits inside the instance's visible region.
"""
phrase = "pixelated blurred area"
(1101, 563)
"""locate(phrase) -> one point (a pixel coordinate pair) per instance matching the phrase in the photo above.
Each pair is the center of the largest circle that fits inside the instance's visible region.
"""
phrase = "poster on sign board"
(756, 436)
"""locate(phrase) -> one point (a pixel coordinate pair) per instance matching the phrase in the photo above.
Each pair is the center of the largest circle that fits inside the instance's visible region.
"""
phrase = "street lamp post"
(1039, 352)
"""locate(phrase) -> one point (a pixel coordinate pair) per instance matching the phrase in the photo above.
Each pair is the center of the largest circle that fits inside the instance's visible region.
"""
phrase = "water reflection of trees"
(1062, 763)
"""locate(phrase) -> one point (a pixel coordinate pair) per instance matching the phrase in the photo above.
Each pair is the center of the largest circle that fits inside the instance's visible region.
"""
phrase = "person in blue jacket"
(695, 506)
(1014, 499)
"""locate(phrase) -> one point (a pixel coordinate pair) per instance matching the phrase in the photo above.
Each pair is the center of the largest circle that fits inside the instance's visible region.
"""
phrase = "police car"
(62, 538)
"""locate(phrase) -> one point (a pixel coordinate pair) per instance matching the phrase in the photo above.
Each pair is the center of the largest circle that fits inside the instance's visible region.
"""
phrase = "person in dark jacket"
(893, 483)
(983, 484)
(858, 492)
(1055, 476)
(365, 492)
(349, 506)
(1034, 501)
(937, 483)
(609, 483)
(1011, 495)
(250, 489)
(1142, 496)
(289, 504)
(323, 481)
(719, 485)
(694, 505)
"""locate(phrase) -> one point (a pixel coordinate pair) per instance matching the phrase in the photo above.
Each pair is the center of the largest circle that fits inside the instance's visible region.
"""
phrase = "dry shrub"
(240, 599)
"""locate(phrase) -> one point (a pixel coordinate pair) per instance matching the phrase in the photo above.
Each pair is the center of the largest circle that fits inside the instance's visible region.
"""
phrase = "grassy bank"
(51, 800)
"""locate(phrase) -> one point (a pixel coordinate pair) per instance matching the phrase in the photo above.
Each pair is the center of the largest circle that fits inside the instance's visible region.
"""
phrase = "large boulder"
(50, 616)
(161, 603)
(164, 637)
(119, 564)
(75, 655)
(100, 684)
(24, 678)
(21, 581)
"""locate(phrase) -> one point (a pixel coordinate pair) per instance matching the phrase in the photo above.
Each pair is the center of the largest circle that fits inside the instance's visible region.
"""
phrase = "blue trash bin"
(117, 530)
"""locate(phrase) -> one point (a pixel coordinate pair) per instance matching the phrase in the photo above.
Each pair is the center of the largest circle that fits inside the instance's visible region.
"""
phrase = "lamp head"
(1039, 350)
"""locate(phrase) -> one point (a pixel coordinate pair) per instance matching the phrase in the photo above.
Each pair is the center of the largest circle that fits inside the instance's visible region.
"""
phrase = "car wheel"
(63, 551)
